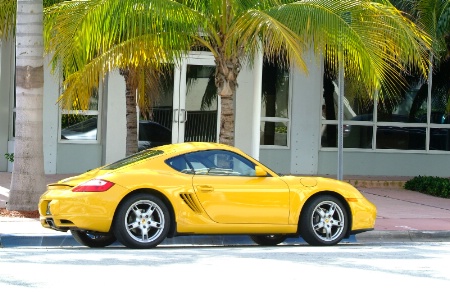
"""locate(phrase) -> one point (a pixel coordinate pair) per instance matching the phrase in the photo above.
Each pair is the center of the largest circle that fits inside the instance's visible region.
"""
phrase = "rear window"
(132, 159)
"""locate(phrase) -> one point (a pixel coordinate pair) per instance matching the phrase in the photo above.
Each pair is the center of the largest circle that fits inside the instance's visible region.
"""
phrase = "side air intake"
(191, 201)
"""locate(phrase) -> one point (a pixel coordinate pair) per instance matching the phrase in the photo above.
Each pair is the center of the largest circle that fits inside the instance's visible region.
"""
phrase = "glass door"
(195, 108)
(187, 102)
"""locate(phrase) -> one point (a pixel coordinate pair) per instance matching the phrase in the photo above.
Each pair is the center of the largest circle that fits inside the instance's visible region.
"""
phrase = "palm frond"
(377, 40)
(139, 53)
(7, 17)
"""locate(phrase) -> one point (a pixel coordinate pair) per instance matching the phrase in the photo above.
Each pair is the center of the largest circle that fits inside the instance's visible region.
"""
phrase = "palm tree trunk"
(227, 121)
(227, 70)
(28, 177)
(131, 112)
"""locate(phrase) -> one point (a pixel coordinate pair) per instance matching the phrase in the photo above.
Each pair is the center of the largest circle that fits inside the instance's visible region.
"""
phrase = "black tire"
(93, 240)
(324, 221)
(268, 240)
(142, 221)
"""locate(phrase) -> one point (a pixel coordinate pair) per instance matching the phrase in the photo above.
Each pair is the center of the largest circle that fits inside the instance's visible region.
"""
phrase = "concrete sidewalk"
(403, 216)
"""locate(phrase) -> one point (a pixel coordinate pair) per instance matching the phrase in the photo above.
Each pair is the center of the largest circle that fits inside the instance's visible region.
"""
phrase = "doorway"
(189, 105)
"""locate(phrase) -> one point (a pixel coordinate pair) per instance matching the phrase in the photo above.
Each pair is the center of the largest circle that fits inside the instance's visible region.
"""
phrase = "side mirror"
(259, 172)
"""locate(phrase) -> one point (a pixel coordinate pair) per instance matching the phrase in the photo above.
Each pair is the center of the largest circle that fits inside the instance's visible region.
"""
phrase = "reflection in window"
(201, 124)
(81, 123)
(78, 127)
(355, 136)
(358, 105)
(275, 105)
(440, 139)
(408, 106)
(403, 138)
(276, 133)
(214, 163)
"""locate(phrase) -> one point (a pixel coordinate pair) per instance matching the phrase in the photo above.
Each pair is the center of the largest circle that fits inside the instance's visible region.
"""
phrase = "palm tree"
(28, 178)
(434, 16)
(89, 38)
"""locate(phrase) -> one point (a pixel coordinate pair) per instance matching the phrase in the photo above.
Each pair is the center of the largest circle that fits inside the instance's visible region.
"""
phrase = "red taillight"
(94, 185)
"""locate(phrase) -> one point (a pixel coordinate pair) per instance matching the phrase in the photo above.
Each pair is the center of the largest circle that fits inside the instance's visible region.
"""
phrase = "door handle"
(175, 115)
(205, 188)
(185, 115)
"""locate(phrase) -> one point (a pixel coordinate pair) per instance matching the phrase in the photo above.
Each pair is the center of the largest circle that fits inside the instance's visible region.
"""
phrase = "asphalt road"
(406, 271)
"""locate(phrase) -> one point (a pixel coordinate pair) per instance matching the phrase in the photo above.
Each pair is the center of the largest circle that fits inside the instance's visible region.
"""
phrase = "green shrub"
(9, 157)
(431, 185)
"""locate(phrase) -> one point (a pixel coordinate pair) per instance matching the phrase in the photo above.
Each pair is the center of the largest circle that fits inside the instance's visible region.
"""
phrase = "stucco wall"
(385, 164)
(6, 89)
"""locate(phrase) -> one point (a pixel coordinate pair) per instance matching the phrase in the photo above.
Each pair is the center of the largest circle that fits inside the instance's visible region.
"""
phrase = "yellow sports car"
(201, 188)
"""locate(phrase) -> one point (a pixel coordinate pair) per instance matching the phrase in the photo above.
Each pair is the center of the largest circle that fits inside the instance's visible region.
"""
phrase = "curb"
(358, 183)
(66, 240)
(408, 236)
(371, 237)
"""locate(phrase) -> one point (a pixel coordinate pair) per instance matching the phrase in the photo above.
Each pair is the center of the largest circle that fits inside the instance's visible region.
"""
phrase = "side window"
(180, 164)
(220, 162)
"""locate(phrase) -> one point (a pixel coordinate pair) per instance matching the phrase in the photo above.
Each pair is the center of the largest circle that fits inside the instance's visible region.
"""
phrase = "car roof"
(194, 146)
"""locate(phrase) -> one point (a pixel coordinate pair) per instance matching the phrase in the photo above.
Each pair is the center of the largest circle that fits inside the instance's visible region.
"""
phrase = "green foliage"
(281, 129)
(431, 185)
(9, 157)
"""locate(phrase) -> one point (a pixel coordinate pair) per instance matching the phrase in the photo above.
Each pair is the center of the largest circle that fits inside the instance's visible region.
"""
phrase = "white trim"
(279, 119)
(84, 113)
(257, 97)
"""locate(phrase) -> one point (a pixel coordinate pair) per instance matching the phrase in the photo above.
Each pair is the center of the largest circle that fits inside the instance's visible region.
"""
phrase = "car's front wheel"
(142, 221)
(93, 240)
(268, 240)
(323, 221)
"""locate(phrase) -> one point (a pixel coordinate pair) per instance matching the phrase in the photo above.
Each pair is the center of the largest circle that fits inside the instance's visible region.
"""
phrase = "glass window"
(137, 157)
(440, 139)
(275, 105)
(212, 162)
(422, 119)
(408, 106)
(404, 138)
(358, 105)
(274, 133)
(81, 123)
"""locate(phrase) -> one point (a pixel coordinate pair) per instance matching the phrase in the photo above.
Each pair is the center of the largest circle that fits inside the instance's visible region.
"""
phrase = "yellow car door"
(230, 190)
(243, 200)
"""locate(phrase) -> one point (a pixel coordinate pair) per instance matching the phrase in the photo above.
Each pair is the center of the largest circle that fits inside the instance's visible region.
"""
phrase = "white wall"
(114, 118)
(244, 107)
(78, 158)
(385, 163)
(6, 94)
(51, 118)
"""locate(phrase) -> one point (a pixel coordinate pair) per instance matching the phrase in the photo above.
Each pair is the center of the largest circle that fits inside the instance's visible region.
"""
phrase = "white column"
(256, 114)
(115, 111)
(307, 98)
(248, 108)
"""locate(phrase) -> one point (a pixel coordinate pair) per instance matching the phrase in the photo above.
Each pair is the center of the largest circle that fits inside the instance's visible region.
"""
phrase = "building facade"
(284, 117)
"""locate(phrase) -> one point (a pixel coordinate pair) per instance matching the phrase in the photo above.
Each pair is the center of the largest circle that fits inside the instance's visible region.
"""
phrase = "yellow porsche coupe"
(201, 188)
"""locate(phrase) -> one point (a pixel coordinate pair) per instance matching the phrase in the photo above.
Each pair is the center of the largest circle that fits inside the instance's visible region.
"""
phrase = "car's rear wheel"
(268, 240)
(323, 221)
(142, 221)
(93, 240)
